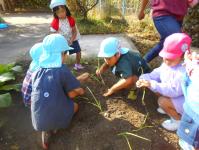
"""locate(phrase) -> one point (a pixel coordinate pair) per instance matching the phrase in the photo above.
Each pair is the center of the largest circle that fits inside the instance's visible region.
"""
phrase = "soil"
(91, 129)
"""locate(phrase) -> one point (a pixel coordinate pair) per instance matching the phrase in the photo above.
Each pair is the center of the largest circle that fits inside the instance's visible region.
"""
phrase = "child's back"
(51, 106)
(53, 88)
(133, 63)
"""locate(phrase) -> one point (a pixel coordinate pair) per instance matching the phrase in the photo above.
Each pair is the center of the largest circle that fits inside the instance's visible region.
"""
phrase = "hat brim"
(124, 50)
(34, 66)
(35, 54)
(56, 4)
(105, 55)
(108, 55)
(50, 60)
(167, 55)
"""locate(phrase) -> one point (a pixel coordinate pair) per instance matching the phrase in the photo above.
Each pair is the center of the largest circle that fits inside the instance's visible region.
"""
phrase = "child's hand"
(83, 77)
(70, 42)
(143, 83)
(141, 15)
(187, 56)
(108, 93)
(98, 72)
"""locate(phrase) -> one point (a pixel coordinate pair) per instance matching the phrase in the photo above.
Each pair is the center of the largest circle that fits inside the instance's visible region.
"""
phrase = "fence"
(118, 7)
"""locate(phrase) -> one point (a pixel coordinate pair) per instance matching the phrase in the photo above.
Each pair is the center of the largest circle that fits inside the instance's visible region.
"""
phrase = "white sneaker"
(184, 145)
(161, 111)
(171, 124)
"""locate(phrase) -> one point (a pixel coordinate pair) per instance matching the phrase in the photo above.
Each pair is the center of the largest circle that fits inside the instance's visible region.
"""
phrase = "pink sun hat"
(175, 46)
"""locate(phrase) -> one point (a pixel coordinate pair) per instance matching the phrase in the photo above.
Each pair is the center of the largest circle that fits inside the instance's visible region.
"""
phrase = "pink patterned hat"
(175, 45)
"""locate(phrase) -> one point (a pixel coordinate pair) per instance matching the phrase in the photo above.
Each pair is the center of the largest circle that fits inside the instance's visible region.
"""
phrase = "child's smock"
(167, 81)
(130, 64)
(51, 108)
(191, 90)
(64, 27)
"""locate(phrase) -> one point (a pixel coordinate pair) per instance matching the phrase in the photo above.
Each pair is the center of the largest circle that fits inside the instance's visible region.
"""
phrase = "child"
(125, 64)
(166, 80)
(35, 53)
(64, 24)
(53, 89)
(189, 126)
(168, 17)
(26, 89)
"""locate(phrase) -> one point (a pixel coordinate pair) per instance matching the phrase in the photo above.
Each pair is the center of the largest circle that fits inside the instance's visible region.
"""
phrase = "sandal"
(45, 137)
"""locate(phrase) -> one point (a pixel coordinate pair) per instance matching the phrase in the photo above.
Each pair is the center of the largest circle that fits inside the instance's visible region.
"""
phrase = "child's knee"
(162, 102)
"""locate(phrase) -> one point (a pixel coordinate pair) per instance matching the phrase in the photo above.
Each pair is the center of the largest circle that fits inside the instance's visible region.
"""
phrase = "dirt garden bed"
(92, 129)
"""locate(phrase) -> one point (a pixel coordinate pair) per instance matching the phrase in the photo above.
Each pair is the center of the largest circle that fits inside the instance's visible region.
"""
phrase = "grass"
(117, 24)
(97, 26)
(142, 33)
(1, 20)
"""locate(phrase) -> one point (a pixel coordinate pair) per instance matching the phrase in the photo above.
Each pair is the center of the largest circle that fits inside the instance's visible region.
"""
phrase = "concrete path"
(28, 28)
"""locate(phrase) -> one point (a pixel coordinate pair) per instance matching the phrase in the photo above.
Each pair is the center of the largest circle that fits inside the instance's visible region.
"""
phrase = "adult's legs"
(165, 25)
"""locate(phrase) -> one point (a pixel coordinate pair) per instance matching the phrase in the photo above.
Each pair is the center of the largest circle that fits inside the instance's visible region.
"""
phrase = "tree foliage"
(192, 25)
(85, 6)
(33, 3)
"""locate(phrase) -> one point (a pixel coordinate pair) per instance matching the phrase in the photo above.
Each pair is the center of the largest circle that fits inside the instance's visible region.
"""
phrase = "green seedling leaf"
(132, 95)
(135, 135)
(141, 128)
(143, 96)
(6, 67)
(7, 77)
(5, 100)
(17, 69)
(127, 140)
(15, 87)
(96, 102)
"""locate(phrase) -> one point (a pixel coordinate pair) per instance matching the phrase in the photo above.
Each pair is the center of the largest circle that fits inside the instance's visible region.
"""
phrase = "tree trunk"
(85, 14)
(3, 6)
(6, 5)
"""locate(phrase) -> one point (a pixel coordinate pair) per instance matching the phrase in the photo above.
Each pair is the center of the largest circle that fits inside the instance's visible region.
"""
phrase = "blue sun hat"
(55, 3)
(110, 46)
(53, 46)
(35, 53)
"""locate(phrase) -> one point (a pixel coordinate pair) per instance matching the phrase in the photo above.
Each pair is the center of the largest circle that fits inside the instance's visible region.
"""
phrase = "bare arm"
(102, 69)
(74, 35)
(122, 84)
(141, 14)
(76, 92)
(83, 77)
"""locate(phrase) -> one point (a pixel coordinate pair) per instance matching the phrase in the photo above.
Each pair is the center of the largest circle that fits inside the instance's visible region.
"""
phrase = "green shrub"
(33, 4)
(8, 74)
(191, 24)
(1, 20)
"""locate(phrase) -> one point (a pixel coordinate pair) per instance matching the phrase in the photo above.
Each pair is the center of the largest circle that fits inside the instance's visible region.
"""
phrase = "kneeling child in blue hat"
(125, 64)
